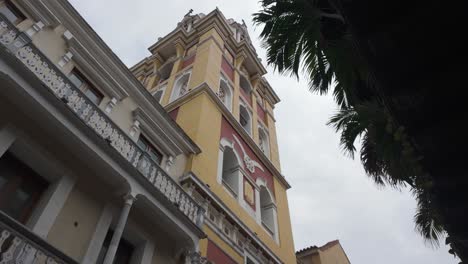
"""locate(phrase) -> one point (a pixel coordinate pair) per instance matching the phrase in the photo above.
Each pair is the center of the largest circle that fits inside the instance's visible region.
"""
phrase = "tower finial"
(189, 12)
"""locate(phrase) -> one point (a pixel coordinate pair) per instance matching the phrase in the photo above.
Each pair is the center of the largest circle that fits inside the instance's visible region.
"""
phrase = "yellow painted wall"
(201, 119)
(274, 151)
(79, 208)
(207, 65)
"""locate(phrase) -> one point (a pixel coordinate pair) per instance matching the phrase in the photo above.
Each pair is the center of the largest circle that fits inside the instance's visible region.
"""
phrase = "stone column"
(109, 259)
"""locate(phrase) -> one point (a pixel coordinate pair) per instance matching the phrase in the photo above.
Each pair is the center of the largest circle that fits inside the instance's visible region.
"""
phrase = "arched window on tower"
(180, 86)
(230, 171)
(264, 142)
(245, 119)
(267, 210)
(225, 93)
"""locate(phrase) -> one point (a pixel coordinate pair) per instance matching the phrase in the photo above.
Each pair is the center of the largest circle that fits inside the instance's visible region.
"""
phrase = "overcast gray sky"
(331, 197)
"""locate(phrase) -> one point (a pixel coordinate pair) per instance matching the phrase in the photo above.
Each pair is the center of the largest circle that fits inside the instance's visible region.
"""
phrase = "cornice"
(219, 23)
(84, 36)
(204, 88)
(158, 132)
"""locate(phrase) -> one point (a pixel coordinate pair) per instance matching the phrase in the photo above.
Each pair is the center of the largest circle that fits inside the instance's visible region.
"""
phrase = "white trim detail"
(225, 92)
(65, 59)
(180, 81)
(161, 90)
(110, 105)
(36, 27)
(249, 163)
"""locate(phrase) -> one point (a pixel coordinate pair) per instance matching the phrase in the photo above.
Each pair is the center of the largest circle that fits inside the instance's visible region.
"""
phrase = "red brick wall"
(173, 113)
(246, 96)
(227, 68)
(216, 255)
(188, 61)
(260, 113)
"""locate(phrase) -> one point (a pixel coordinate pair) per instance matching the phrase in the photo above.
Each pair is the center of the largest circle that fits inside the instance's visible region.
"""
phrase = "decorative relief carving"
(249, 163)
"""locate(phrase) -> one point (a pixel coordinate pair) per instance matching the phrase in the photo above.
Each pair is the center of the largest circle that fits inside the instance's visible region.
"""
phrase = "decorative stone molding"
(135, 128)
(110, 105)
(65, 59)
(25, 246)
(249, 163)
(169, 163)
(36, 27)
(67, 35)
(241, 237)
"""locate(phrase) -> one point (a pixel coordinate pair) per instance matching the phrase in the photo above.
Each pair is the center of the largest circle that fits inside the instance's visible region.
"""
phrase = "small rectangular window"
(158, 95)
(80, 81)
(147, 147)
(11, 12)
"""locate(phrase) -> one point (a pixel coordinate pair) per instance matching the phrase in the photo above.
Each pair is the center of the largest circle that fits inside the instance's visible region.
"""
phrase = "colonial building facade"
(207, 75)
(172, 161)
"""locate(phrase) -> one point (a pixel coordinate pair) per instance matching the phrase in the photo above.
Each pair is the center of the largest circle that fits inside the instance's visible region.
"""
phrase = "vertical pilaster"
(237, 65)
(255, 81)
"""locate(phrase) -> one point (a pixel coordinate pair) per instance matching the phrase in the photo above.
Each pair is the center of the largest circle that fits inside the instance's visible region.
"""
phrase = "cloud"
(331, 197)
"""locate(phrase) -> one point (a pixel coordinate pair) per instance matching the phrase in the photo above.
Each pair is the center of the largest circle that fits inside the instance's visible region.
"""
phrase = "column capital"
(129, 198)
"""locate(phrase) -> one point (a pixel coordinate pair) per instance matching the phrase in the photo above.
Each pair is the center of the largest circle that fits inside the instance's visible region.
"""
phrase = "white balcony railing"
(20, 46)
(19, 245)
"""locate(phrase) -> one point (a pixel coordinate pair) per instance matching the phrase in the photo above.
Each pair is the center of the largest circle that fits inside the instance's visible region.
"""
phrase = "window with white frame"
(11, 12)
(146, 146)
(82, 83)
(263, 140)
(245, 118)
(180, 86)
(225, 92)
(267, 210)
(230, 171)
(158, 95)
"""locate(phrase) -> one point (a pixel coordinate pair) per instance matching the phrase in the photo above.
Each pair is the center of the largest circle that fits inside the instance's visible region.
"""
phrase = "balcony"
(19, 245)
(19, 46)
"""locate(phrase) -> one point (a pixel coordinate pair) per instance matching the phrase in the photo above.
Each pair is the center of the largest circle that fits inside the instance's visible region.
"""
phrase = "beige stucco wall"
(178, 167)
(334, 255)
(71, 239)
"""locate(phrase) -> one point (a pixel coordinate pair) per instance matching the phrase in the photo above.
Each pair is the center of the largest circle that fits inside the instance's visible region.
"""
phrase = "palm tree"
(311, 37)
